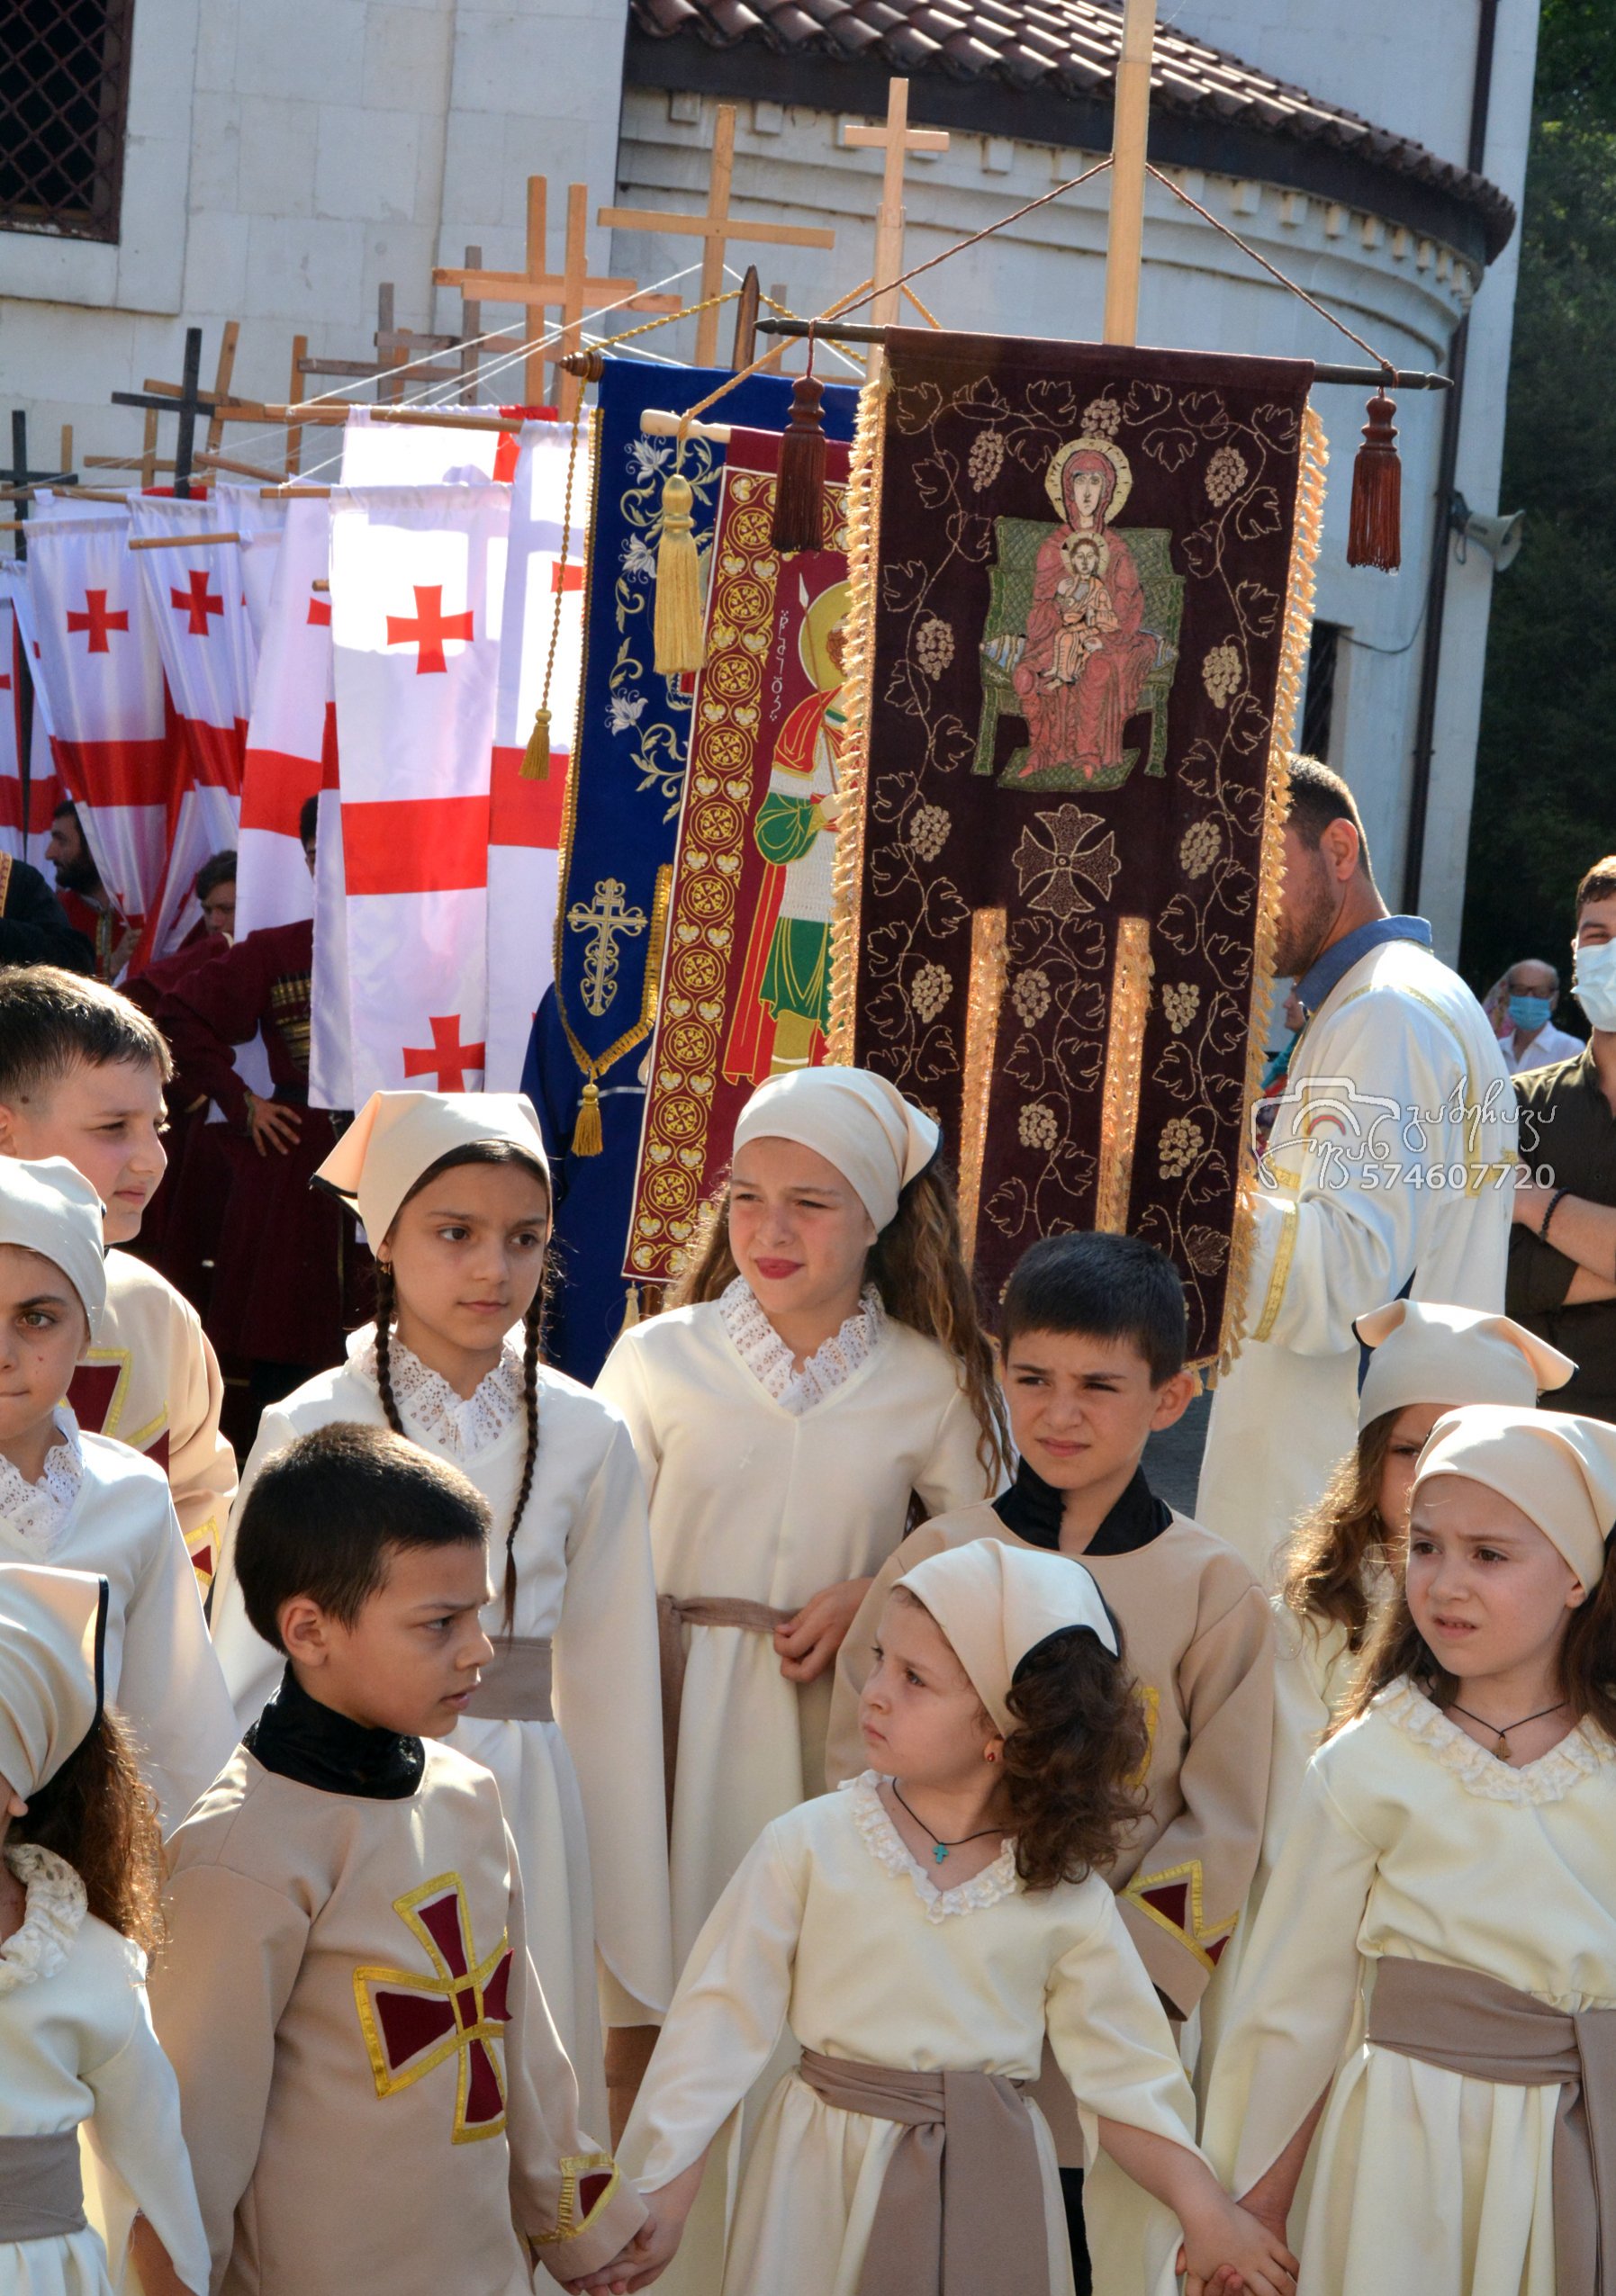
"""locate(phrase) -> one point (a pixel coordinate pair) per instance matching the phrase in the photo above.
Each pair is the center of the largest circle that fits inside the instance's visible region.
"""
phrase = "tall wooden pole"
(1129, 138)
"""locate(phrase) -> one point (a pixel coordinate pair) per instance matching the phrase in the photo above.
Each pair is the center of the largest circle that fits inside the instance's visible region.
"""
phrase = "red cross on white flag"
(417, 585)
(293, 729)
(525, 830)
(44, 790)
(114, 746)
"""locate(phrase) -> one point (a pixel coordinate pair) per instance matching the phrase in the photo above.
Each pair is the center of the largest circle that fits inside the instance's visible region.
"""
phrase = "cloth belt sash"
(41, 2188)
(961, 2209)
(673, 1614)
(1475, 2026)
(516, 1684)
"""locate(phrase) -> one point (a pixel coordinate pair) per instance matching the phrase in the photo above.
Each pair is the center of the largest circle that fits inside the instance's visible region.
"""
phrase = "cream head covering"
(1426, 1353)
(878, 1140)
(52, 1628)
(1558, 1469)
(52, 1209)
(399, 1135)
(995, 1603)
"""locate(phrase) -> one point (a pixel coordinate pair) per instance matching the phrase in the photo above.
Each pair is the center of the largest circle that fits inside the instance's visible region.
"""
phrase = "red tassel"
(799, 488)
(1374, 537)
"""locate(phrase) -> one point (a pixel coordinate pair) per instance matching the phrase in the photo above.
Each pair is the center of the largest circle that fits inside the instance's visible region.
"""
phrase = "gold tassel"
(678, 630)
(587, 1138)
(631, 1308)
(536, 757)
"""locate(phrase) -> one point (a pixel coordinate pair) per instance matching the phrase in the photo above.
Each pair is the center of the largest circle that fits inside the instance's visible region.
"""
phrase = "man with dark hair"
(1388, 1172)
(1562, 1277)
(85, 901)
(308, 828)
(34, 927)
(82, 1072)
(215, 890)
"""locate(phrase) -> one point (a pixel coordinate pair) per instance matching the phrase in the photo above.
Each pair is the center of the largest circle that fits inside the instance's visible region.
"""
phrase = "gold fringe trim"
(1288, 705)
(863, 567)
(989, 969)
(1132, 973)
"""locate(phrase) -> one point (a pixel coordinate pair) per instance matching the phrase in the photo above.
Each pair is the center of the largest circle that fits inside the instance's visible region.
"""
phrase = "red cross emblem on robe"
(413, 2024)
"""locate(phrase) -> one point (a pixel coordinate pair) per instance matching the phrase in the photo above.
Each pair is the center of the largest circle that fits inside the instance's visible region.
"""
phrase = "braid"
(386, 1300)
(532, 1325)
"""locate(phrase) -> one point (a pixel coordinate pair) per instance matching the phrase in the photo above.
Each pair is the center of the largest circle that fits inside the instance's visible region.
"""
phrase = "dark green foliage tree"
(1545, 768)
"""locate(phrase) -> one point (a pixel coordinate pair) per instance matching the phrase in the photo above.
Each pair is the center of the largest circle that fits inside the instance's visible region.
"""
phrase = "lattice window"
(63, 93)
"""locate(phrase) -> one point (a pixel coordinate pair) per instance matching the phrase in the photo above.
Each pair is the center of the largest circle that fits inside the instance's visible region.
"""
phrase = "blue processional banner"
(594, 1025)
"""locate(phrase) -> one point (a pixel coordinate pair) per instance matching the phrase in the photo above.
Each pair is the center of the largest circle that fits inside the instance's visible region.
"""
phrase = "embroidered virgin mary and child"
(1087, 655)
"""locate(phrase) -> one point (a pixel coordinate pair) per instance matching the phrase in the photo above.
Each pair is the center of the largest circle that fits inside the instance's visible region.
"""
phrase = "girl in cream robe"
(1411, 1841)
(582, 1793)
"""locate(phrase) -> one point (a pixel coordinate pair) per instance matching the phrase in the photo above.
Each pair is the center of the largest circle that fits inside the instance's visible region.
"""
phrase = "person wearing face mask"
(1522, 1010)
(1562, 1268)
(1387, 1175)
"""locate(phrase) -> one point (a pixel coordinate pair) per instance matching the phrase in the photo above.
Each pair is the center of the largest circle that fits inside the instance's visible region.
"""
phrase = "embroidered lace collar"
(37, 1511)
(1579, 1754)
(769, 1359)
(54, 1914)
(461, 1428)
(886, 1845)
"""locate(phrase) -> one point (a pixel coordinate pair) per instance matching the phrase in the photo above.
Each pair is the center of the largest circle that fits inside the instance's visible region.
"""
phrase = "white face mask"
(1594, 985)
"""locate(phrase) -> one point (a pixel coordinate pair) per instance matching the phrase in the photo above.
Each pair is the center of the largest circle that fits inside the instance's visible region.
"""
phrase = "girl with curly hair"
(79, 1874)
(453, 1191)
(921, 1931)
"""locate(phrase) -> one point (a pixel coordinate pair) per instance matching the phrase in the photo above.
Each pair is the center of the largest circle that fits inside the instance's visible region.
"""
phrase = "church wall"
(1045, 275)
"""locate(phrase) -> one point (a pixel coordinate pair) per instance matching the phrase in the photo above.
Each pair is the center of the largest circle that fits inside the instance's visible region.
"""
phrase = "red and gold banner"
(745, 989)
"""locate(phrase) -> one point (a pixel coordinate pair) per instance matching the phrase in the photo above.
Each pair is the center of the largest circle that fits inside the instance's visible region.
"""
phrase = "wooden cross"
(715, 229)
(187, 403)
(226, 410)
(20, 482)
(398, 346)
(539, 289)
(1130, 134)
(894, 139)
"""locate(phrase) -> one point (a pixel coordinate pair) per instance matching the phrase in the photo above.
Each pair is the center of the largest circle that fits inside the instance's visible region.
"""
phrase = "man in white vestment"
(1388, 1173)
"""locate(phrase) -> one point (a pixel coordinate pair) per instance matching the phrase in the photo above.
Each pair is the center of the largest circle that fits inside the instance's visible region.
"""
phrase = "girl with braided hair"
(453, 1192)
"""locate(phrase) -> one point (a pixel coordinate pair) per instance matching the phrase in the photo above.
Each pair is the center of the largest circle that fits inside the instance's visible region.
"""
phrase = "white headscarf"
(397, 1136)
(1428, 1352)
(52, 1209)
(878, 1140)
(52, 1631)
(995, 1603)
(1556, 1467)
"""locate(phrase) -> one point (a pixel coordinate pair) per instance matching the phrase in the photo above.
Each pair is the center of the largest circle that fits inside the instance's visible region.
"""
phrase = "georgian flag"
(243, 510)
(113, 738)
(293, 729)
(198, 609)
(526, 816)
(17, 661)
(422, 454)
(418, 580)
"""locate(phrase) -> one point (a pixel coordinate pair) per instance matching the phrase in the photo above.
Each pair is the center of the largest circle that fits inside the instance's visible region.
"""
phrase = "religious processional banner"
(1082, 595)
(745, 981)
(620, 828)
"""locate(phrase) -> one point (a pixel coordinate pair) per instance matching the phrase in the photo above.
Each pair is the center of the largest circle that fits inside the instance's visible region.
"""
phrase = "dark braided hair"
(533, 1325)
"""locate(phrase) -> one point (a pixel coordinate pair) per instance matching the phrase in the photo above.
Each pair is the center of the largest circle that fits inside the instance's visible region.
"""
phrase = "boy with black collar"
(374, 2094)
(1092, 1345)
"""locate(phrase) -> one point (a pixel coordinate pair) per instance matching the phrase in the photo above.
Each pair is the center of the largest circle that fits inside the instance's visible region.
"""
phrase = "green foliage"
(1544, 785)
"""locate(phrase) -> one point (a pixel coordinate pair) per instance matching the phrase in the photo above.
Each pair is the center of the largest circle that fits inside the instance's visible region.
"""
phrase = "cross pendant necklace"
(940, 1849)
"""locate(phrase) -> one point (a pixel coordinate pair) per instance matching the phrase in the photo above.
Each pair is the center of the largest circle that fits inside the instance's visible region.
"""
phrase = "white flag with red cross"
(542, 650)
(261, 525)
(45, 792)
(431, 453)
(418, 580)
(291, 730)
(113, 738)
(199, 611)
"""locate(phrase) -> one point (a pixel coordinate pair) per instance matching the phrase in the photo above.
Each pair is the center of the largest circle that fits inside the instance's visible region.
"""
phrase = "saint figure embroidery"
(1081, 634)
(783, 1005)
(413, 2023)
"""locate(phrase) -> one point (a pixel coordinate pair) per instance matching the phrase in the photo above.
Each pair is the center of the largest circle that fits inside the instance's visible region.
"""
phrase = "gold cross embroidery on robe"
(1172, 1900)
(413, 2023)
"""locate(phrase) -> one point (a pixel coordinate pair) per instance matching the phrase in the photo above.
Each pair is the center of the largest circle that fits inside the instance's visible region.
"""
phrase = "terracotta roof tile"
(1070, 46)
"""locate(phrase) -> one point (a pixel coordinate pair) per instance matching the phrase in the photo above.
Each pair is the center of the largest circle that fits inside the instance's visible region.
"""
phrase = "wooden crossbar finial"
(895, 140)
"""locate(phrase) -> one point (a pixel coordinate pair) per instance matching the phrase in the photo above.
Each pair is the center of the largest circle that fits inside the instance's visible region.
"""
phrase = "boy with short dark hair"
(1091, 1348)
(82, 1072)
(374, 2095)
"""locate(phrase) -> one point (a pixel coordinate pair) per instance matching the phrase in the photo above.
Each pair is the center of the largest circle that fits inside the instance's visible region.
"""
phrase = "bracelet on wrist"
(1549, 1213)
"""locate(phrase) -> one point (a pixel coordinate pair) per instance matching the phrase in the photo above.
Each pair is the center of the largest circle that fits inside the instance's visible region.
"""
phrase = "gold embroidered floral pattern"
(1181, 1001)
(1221, 674)
(985, 459)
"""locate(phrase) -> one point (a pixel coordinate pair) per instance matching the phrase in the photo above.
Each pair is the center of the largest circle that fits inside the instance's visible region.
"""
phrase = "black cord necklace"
(1501, 1749)
(941, 1847)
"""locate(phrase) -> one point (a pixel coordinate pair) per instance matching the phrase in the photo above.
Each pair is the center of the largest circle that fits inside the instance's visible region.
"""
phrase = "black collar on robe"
(1032, 1509)
(298, 1738)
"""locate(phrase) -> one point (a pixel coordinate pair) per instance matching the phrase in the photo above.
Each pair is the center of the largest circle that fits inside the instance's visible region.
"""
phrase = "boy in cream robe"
(82, 1072)
(1093, 1334)
(374, 2095)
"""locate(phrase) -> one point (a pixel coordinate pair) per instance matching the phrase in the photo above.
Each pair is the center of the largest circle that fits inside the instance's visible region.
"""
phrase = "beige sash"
(516, 1683)
(961, 2211)
(41, 2189)
(1475, 2026)
(672, 1615)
